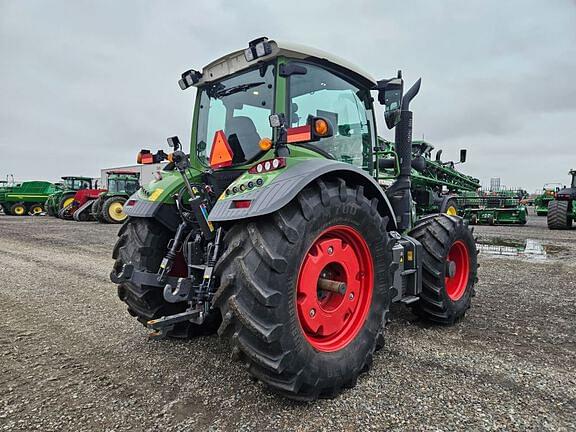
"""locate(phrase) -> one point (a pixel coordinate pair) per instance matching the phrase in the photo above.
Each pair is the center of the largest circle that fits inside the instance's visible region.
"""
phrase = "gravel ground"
(71, 358)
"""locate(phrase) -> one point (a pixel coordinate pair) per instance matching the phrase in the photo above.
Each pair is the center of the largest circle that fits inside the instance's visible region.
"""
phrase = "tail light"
(268, 165)
(241, 203)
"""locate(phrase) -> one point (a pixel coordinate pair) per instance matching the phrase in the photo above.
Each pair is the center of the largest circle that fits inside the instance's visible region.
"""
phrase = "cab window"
(319, 92)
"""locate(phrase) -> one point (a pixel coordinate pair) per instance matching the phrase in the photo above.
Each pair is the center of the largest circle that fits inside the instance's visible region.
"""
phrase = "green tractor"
(24, 198)
(547, 195)
(275, 231)
(562, 209)
(109, 207)
(64, 196)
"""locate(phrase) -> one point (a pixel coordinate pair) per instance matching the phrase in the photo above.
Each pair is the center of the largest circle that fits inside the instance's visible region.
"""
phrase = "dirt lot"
(71, 358)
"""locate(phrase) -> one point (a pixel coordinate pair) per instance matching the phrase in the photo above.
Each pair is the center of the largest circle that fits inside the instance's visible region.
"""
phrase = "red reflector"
(130, 203)
(241, 203)
(299, 134)
(221, 154)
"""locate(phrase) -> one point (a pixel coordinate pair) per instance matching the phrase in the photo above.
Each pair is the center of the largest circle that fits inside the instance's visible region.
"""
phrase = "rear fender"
(284, 187)
(156, 199)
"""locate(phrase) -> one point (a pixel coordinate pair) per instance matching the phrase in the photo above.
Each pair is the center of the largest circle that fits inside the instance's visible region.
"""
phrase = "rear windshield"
(240, 107)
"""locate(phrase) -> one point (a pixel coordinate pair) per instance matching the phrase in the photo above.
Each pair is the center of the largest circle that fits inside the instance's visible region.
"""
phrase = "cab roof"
(235, 62)
(76, 178)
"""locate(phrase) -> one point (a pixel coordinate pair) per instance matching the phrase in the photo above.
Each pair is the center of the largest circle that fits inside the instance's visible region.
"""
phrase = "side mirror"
(174, 142)
(463, 155)
(189, 78)
(438, 155)
(390, 95)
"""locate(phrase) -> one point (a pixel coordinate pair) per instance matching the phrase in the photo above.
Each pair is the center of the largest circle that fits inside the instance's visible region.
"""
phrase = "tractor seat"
(243, 138)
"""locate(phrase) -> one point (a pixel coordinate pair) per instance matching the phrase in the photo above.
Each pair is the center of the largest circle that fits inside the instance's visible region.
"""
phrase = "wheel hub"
(334, 289)
(457, 270)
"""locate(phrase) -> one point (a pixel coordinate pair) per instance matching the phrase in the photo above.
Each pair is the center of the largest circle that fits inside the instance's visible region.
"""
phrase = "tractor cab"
(77, 183)
(123, 182)
(568, 193)
(239, 92)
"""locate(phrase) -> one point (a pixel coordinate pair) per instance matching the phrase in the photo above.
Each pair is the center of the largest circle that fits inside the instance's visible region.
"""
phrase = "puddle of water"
(530, 249)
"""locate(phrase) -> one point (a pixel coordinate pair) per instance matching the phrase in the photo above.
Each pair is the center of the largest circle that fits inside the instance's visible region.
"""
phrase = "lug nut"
(351, 296)
(330, 250)
(312, 312)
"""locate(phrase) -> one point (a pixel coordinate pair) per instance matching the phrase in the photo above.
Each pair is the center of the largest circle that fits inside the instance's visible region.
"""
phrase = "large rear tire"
(300, 340)
(143, 243)
(558, 215)
(449, 268)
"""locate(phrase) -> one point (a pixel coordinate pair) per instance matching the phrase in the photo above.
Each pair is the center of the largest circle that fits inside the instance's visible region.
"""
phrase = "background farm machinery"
(64, 196)
(547, 195)
(494, 207)
(109, 207)
(19, 199)
(436, 185)
(104, 205)
(562, 209)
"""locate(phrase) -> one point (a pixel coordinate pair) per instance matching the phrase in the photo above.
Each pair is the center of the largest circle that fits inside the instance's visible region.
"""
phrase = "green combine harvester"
(562, 209)
(64, 196)
(109, 207)
(547, 195)
(436, 185)
(276, 230)
(4, 186)
(25, 198)
(495, 208)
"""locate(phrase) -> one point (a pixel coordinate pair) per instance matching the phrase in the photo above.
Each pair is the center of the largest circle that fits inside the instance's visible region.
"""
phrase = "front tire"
(558, 215)
(449, 268)
(269, 298)
(143, 243)
(113, 210)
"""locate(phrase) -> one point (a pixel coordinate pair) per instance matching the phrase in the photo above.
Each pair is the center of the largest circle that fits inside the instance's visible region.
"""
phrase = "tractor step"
(161, 326)
(409, 299)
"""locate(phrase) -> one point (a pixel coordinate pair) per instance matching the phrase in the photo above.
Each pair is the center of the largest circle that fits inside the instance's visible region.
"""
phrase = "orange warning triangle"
(221, 153)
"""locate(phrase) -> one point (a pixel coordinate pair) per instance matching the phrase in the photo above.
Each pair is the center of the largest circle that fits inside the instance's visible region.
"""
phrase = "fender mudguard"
(288, 184)
(166, 214)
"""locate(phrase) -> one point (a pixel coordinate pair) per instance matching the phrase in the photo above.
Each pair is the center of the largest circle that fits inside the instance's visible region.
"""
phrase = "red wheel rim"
(330, 320)
(456, 284)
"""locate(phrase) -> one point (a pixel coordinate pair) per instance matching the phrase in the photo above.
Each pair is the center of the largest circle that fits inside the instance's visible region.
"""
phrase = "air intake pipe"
(399, 192)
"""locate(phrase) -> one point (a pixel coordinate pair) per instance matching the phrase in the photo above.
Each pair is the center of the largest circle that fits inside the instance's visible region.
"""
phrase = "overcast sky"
(84, 84)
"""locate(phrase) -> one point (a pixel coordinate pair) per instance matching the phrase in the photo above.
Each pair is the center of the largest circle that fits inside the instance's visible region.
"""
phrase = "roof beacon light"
(257, 48)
